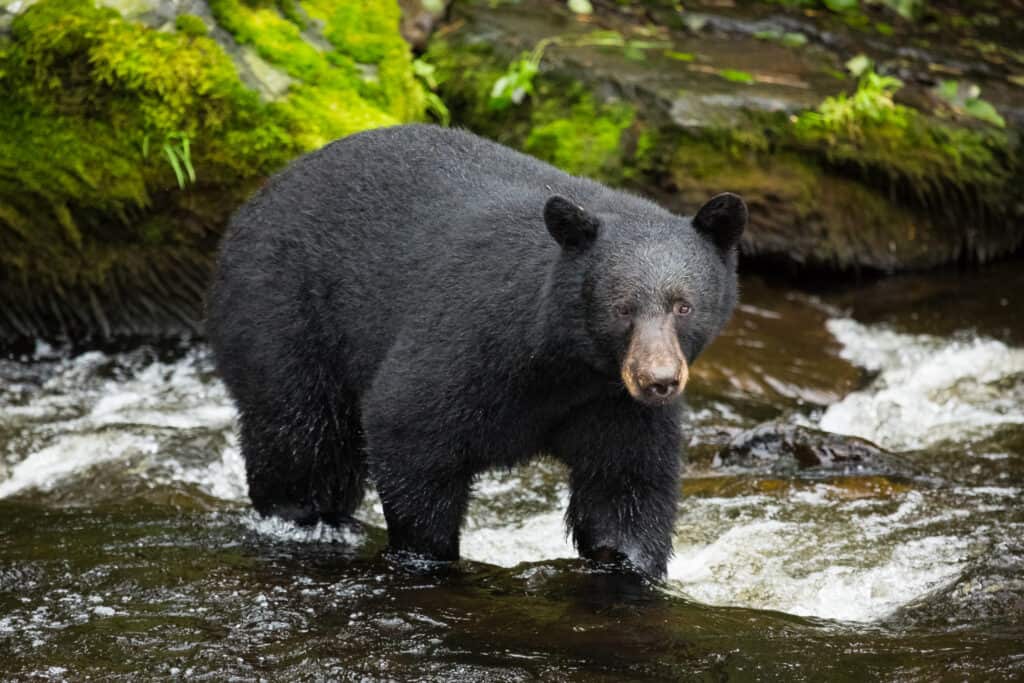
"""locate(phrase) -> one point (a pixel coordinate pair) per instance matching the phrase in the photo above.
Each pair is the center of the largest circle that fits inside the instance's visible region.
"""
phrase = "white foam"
(223, 478)
(928, 389)
(99, 420)
(811, 553)
(533, 539)
(279, 529)
(72, 454)
(800, 568)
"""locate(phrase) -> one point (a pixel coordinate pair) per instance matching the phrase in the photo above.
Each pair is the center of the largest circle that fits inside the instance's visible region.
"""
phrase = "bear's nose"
(663, 389)
(662, 382)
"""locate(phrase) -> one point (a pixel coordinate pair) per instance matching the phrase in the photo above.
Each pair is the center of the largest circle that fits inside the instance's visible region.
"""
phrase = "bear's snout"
(654, 369)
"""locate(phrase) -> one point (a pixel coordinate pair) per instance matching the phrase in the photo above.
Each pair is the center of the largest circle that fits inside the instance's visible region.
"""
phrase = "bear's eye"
(682, 309)
(623, 310)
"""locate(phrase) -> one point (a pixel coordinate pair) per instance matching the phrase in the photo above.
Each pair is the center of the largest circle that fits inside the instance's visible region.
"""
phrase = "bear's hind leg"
(424, 499)
(304, 460)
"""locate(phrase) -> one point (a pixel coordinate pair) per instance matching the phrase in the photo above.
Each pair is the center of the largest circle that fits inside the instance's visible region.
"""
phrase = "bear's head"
(656, 288)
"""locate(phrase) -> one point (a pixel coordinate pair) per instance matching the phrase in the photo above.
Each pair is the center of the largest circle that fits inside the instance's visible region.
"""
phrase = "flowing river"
(852, 511)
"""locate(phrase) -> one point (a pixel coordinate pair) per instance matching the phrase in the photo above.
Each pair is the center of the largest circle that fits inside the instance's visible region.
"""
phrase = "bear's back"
(355, 240)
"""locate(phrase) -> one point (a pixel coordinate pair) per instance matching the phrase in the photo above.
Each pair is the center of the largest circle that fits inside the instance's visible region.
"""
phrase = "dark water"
(127, 550)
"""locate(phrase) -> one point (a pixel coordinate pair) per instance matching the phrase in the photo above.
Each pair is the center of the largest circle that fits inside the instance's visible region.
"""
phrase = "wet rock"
(782, 448)
(680, 114)
(989, 593)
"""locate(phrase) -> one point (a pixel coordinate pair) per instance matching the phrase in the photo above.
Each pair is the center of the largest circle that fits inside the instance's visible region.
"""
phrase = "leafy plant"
(513, 86)
(426, 72)
(177, 149)
(516, 83)
(858, 65)
(966, 99)
(847, 115)
(841, 5)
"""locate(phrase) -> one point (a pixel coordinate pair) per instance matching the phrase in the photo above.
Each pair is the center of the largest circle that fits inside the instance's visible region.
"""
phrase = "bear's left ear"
(722, 219)
(569, 223)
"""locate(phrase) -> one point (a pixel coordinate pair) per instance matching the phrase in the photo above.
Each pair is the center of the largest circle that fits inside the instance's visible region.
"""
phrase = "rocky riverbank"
(129, 133)
(857, 142)
(865, 140)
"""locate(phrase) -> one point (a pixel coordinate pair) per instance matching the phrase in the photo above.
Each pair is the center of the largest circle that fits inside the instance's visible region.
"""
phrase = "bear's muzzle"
(654, 369)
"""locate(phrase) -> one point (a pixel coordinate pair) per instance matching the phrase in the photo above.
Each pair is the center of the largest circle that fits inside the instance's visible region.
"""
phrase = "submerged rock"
(989, 592)
(783, 448)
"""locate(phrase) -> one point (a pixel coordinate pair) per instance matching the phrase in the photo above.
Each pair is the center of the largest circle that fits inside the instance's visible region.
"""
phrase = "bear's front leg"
(624, 461)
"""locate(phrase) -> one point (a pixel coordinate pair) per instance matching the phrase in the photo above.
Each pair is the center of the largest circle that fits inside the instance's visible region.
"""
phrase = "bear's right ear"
(569, 223)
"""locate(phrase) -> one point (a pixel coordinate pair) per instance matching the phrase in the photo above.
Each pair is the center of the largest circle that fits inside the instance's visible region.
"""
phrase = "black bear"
(416, 305)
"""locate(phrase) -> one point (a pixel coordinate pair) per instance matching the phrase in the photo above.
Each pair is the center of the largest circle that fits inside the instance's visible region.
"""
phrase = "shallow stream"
(852, 511)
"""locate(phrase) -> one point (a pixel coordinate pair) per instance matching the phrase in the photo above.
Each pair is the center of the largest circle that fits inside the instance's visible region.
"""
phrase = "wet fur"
(393, 307)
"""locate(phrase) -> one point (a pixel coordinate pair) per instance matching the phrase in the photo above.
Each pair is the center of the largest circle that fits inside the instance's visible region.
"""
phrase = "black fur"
(394, 306)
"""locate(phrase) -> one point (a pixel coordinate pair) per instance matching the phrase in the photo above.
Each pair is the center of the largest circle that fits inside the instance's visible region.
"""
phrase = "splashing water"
(817, 551)
(928, 389)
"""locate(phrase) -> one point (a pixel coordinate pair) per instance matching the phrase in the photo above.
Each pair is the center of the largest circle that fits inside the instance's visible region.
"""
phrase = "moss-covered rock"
(124, 146)
(840, 182)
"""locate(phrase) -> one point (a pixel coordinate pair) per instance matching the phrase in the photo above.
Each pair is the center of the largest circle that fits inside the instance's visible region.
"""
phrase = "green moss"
(561, 122)
(859, 182)
(88, 100)
(85, 93)
(370, 66)
(869, 132)
(275, 39)
(585, 139)
(191, 25)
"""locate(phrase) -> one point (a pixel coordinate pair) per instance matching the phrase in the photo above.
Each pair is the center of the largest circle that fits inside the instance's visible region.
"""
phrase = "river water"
(852, 511)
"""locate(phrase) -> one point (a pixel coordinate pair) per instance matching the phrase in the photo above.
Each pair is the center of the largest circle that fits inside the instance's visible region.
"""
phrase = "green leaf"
(186, 158)
(859, 64)
(908, 9)
(515, 84)
(736, 76)
(947, 90)
(794, 39)
(173, 158)
(787, 39)
(647, 44)
(437, 107)
(602, 39)
(680, 56)
(581, 6)
(425, 71)
(980, 109)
